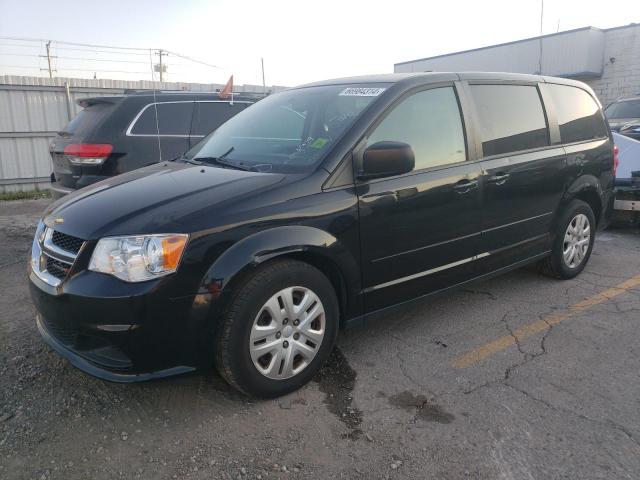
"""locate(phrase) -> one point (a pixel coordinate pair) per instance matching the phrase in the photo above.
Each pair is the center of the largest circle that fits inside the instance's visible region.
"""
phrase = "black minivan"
(314, 209)
(117, 134)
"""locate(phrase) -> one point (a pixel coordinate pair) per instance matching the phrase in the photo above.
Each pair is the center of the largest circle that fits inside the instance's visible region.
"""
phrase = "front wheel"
(573, 242)
(278, 330)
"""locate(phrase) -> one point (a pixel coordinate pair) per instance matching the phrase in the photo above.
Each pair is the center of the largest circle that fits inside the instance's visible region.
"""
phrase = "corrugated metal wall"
(33, 109)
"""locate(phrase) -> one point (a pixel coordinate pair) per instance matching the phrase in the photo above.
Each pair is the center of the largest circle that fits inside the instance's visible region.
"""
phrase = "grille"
(56, 268)
(67, 242)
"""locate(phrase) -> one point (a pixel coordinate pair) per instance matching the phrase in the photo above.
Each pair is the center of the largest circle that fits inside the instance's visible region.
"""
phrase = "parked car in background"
(315, 209)
(113, 135)
(631, 130)
(624, 116)
(627, 183)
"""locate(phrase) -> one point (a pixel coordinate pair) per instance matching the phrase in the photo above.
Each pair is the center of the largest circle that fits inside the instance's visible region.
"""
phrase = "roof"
(433, 77)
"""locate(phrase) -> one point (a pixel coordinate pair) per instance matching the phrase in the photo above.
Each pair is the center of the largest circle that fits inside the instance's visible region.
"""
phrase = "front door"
(420, 231)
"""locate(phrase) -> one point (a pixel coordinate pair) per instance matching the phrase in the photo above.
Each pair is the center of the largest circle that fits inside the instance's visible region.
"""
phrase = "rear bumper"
(627, 198)
(58, 191)
(626, 204)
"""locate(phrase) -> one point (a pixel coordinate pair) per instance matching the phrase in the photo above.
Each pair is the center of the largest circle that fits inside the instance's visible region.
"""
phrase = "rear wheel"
(278, 330)
(573, 242)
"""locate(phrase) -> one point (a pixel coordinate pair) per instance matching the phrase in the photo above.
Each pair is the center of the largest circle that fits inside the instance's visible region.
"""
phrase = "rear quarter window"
(578, 114)
(210, 115)
(173, 119)
(511, 118)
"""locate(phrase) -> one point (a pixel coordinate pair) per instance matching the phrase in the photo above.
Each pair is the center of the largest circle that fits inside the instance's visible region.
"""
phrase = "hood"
(153, 199)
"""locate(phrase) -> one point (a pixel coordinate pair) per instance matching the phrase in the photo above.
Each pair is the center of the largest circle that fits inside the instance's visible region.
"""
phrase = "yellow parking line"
(538, 326)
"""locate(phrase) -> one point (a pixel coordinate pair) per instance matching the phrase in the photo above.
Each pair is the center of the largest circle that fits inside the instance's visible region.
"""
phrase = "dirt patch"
(425, 410)
(336, 380)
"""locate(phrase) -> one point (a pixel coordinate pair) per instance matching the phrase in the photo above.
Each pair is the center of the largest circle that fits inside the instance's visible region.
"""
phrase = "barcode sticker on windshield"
(362, 92)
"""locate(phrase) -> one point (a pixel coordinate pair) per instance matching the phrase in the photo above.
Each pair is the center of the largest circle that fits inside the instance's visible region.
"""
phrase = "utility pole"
(540, 38)
(160, 55)
(264, 85)
(49, 57)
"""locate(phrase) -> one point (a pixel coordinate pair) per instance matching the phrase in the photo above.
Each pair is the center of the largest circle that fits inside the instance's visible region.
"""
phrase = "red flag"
(227, 91)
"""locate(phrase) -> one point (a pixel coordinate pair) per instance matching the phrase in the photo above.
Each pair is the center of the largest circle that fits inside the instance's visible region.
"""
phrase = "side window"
(430, 122)
(173, 119)
(578, 114)
(210, 115)
(511, 118)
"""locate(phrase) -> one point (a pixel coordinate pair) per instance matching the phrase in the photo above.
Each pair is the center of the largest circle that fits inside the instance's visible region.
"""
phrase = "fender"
(582, 184)
(260, 247)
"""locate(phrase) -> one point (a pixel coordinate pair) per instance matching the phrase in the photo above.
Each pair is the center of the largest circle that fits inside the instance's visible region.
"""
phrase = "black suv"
(113, 135)
(314, 209)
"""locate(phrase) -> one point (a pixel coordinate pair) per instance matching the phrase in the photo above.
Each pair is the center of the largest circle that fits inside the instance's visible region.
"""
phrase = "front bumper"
(138, 333)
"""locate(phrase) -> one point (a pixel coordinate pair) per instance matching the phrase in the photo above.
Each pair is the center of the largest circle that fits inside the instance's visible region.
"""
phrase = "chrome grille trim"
(54, 251)
(45, 249)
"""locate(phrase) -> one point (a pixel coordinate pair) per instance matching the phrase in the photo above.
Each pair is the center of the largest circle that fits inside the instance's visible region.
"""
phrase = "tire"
(285, 360)
(557, 265)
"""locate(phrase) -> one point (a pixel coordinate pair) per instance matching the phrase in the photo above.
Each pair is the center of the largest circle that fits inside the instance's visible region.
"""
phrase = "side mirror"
(386, 159)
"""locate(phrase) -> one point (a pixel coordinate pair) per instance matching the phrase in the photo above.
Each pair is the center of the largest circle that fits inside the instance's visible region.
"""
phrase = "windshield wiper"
(220, 160)
(185, 160)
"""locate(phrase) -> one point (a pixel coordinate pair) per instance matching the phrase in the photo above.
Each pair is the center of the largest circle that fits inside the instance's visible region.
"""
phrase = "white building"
(608, 60)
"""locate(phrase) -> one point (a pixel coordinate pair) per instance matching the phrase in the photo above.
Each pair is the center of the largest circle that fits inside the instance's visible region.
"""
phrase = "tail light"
(616, 160)
(88, 153)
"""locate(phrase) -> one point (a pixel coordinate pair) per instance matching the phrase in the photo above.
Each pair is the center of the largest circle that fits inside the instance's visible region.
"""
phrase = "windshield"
(288, 132)
(625, 109)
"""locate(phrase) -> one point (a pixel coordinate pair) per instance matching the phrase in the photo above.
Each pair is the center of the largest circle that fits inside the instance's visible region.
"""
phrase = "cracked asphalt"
(519, 377)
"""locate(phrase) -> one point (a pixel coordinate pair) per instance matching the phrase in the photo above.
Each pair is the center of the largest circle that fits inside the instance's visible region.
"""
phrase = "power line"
(88, 48)
(97, 51)
(192, 59)
(26, 39)
(74, 58)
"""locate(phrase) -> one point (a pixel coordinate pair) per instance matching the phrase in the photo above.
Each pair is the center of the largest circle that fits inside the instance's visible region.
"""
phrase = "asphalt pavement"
(519, 377)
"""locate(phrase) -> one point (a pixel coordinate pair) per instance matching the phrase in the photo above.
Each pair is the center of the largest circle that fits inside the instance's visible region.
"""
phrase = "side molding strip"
(426, 272)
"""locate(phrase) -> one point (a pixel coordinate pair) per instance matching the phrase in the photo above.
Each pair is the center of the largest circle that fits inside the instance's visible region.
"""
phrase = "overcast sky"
(300, 41)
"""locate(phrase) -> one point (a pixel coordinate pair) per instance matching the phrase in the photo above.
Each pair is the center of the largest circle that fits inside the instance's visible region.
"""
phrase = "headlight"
(138, 258)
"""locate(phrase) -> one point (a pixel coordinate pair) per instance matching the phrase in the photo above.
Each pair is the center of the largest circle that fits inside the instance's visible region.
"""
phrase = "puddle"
(425, 410)
(336, 380)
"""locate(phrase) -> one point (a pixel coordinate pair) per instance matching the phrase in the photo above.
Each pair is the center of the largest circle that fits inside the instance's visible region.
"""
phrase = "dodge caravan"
(314, 209)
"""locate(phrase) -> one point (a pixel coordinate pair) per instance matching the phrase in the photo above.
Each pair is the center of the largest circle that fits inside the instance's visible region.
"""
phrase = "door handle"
(465, 186)
(499, 178)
